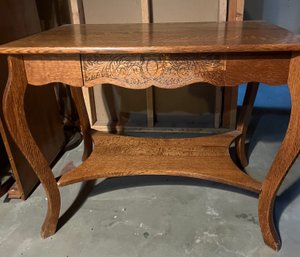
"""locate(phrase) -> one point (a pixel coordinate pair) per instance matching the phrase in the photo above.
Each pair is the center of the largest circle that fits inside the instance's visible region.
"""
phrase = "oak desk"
(172, 55)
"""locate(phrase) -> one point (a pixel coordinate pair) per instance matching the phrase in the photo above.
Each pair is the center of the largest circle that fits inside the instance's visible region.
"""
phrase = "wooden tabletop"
(199, 37)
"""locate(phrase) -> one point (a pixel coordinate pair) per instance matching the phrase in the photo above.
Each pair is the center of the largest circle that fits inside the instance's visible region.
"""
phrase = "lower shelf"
(201, 157)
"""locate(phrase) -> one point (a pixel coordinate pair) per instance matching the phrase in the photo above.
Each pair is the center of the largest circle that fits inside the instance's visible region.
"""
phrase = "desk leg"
(84, 121)
(13, 109)
(284, 159)
(244, 120)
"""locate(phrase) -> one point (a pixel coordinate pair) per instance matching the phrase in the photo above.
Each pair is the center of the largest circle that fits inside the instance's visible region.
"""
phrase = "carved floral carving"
(144, 70)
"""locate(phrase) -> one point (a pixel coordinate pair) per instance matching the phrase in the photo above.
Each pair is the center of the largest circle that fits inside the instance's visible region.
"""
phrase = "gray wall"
(285, 13)
(121, 11)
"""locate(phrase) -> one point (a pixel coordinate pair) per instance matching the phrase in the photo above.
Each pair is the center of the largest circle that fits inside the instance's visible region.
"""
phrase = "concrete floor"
(162, 216)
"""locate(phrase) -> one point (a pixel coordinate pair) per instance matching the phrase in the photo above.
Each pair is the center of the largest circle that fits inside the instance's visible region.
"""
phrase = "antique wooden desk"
(172, 55)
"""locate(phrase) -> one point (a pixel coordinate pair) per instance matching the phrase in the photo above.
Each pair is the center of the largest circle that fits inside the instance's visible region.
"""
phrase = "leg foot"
(267, 226)
(284, 159)
(14, 114)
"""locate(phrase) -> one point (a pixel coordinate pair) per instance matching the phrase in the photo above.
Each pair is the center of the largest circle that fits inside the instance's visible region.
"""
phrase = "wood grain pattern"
(76, 11)
(235, 13)
(236, 10)
(244, 120)
(41, 70)
(230, 105)
(89, 100)
(174, 70)
(77, 96)
(268, 68)
(142, 71)
(222, 17)
(147, 17)
(150, 107)
(78, 17)
(249, 36)
(119, 129)
(205, 158)
(16, 122)
(284, 159)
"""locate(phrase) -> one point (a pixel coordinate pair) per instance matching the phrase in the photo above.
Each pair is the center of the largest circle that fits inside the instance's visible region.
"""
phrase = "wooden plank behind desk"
(19, 18)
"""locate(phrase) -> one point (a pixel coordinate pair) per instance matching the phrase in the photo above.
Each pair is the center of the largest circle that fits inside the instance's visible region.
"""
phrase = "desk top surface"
(202, 37)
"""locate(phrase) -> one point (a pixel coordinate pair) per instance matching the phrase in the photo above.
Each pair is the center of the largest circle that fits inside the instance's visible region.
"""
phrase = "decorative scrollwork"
(144, 70)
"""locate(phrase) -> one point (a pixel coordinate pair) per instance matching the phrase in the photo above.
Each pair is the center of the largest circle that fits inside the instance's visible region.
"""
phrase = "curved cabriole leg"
(244, 120)
(13, 109)
(284, 159)
(84, 121)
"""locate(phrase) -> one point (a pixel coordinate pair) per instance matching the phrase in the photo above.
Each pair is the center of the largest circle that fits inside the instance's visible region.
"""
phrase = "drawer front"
(139, 71)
